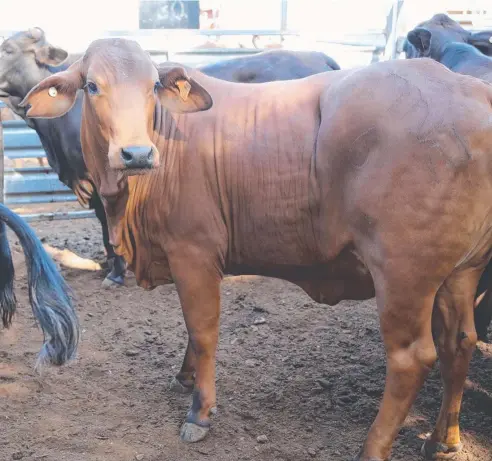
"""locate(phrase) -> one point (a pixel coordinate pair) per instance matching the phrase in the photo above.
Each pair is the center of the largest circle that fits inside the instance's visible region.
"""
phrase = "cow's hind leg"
(184, 381)
(483, 309)
(456, 338)
(405, 317)
(483, 316)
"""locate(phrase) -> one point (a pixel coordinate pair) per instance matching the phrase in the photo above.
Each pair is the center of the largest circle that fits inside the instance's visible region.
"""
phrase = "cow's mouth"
(136, 171)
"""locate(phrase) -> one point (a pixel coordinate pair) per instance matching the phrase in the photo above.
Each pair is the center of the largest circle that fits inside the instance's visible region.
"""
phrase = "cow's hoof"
(438, 450)
(109, 283)
(358, 458)
(191, 432)
(179, 388)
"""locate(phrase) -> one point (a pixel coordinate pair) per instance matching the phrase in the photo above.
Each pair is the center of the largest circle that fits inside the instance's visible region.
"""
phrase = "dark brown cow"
(350, 183)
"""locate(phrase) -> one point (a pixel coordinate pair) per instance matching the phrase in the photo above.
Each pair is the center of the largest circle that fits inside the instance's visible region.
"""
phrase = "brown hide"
(334, 181)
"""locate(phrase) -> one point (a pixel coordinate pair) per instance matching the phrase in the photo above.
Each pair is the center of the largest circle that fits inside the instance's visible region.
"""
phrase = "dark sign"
(169, 14)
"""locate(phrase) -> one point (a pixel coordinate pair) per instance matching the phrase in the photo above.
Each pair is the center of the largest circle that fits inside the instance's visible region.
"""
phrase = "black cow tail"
(7, 296)
(49, 295)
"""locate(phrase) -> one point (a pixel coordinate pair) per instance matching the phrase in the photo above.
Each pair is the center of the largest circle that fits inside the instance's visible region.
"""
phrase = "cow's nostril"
(137, 157)
(126, 156)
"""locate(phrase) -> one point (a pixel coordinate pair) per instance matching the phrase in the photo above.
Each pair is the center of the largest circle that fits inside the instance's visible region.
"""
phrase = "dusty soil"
(310, 378)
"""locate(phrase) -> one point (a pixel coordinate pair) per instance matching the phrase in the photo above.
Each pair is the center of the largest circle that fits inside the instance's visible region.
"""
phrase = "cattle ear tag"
(52, 91)
(184, 88)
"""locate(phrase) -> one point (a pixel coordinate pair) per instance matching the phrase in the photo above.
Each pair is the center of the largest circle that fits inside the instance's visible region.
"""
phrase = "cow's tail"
(48, 293)
(7, 295)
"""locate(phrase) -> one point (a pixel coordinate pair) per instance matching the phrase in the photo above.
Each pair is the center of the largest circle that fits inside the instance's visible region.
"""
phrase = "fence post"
(283, 16)
(392, 38)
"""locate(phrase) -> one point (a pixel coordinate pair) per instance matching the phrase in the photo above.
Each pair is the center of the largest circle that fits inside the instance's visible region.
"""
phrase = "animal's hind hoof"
(437, 450)
(108, 283)
(191, 432)
(179, 388)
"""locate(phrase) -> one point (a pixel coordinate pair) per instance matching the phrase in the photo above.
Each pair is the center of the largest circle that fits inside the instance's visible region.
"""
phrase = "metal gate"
(33, 183)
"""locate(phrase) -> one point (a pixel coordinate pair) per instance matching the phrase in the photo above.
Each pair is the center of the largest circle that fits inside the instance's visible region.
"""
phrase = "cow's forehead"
(117, 47)
(118, 59)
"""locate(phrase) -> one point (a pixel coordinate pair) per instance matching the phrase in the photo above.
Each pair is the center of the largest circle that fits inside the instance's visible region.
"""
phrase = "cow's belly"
(328, 282)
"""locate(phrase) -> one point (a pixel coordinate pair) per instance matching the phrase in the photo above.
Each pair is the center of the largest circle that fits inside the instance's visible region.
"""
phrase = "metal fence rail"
(32, 184)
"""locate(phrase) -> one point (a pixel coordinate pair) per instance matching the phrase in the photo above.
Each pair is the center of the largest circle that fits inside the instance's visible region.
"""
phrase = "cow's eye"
(157, 85)
(92, 88)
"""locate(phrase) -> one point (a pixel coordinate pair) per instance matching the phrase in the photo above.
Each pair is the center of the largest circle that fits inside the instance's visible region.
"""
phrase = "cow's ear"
(54, 96)
(482, 40)
(49, 55)
(420, 38)
(180, 93)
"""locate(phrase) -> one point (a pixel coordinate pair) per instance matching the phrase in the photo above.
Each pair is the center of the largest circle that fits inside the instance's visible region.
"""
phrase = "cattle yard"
(296, 380)
(308, 377)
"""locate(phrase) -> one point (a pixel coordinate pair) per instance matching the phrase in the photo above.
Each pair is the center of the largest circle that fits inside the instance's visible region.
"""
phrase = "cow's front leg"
(184, 381)
(198, 287)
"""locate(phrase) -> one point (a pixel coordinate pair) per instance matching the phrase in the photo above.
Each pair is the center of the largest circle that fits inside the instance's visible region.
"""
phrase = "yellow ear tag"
(52, 91)
(184, 89)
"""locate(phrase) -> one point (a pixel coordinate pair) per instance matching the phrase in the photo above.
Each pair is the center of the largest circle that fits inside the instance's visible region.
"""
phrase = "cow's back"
(271, 66)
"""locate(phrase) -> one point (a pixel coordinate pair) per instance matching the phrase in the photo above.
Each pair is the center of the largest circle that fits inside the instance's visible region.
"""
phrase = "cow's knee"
(419, 355)
(467, 340)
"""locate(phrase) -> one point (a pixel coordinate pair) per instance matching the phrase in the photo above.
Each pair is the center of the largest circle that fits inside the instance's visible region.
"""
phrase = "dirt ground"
(309, 378)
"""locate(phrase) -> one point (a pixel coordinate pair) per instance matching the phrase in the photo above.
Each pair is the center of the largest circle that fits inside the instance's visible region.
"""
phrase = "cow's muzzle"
(138, 157)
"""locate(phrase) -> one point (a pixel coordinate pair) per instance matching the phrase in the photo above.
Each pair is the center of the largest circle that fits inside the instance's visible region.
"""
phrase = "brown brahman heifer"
(27, 57)
(351, 183)
(446, 45)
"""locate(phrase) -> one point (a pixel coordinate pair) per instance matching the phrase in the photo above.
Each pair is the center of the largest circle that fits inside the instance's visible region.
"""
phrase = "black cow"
(271, 65)
(434, 33)
(452, 46)
(25, 59)
(457, 56)
(466, 59)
